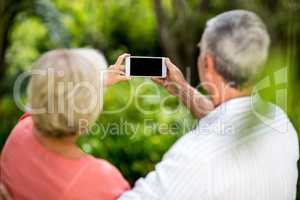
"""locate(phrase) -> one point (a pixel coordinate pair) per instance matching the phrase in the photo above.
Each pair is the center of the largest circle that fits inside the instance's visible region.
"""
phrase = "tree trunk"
(8, 12)
(177, 38)
(5, 17)
(166, 36)
(188, 38)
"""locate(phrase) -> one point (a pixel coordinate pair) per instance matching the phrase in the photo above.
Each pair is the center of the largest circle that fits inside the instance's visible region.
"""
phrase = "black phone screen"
(146, 66)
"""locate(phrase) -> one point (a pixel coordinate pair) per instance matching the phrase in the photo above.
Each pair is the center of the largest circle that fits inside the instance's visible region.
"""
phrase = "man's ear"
(210, 66)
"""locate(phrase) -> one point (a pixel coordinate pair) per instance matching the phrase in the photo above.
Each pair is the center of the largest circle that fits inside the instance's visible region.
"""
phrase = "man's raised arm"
(175, 83)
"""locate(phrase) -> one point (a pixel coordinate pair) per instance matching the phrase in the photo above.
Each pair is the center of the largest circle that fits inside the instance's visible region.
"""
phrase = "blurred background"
(170, 28)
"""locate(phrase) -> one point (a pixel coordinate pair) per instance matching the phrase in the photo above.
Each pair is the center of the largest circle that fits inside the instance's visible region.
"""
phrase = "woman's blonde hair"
(65, 91)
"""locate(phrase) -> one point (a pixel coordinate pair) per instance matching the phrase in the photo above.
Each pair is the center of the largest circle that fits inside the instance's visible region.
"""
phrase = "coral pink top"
(30, 171)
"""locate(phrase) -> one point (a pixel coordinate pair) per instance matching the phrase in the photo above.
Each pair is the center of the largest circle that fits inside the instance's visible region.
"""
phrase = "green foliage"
(9, 117)
(25, 49)
(135, 138)
(111, 27)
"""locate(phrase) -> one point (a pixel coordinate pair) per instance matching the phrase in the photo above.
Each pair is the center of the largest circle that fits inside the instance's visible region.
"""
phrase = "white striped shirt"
(243, 150)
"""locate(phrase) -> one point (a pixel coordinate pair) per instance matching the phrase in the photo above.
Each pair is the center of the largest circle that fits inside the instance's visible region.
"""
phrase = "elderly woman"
(40, 159)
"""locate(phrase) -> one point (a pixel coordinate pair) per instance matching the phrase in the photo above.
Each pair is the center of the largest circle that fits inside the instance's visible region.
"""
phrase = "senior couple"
(232, 154)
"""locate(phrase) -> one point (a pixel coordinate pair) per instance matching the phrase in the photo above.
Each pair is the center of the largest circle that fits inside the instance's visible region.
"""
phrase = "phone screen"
(146, 66)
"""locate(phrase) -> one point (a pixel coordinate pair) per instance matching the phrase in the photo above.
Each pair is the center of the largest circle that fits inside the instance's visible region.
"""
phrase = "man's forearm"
(198, 104)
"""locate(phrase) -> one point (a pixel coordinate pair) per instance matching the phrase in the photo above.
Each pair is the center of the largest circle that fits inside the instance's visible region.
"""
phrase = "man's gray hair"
(238, 41)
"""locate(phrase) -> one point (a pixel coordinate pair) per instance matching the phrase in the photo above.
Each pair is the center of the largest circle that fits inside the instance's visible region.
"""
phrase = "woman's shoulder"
(23, 126)
(103, 168)
(98, 179)
(21, 131)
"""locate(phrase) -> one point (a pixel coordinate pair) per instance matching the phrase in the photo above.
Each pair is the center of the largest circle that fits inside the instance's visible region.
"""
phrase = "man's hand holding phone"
(175, 83)
(174, 80)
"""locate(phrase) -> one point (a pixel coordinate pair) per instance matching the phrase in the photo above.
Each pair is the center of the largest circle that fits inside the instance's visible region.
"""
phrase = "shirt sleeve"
(177, 176)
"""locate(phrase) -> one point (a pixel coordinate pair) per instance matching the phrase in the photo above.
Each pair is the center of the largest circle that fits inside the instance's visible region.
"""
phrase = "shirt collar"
(234, 105)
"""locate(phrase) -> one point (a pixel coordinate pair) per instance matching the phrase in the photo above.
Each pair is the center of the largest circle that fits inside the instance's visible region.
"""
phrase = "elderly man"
(232, 154)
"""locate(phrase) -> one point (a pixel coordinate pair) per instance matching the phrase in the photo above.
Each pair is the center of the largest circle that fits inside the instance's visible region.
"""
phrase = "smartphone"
(145, 66)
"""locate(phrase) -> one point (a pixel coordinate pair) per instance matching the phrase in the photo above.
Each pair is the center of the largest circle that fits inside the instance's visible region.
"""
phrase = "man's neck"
(64, 146)
(230, 93)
